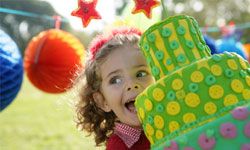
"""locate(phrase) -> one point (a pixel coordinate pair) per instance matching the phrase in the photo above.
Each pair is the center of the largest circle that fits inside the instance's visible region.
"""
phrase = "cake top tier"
(172, 44)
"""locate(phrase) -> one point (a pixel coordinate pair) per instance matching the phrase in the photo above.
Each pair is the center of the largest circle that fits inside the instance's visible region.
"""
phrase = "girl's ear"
(101, 102)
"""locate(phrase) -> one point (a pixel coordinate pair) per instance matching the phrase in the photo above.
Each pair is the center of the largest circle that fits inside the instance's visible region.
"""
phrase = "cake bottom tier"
(230, 132)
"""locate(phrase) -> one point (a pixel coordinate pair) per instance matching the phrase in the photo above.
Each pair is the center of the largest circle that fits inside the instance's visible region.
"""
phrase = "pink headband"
(100, 40)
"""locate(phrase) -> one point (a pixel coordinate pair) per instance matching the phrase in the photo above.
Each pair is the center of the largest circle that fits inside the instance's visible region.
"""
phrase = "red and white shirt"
(126, 137)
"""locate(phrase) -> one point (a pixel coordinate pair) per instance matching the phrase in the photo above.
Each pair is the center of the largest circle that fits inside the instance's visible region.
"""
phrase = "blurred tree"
(211, 13)
(120, 6)
(207, 12)
(23, 28)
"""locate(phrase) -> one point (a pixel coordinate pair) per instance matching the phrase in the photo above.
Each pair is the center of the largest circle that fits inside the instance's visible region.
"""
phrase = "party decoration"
(211, 44)
(11, 68)
(145, 6)
(247, 50)
(86, 11)
(231, 45)
(199, 100)
(52, 59)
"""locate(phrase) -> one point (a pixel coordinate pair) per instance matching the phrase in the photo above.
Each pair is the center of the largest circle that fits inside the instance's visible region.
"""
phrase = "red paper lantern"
(52, 59)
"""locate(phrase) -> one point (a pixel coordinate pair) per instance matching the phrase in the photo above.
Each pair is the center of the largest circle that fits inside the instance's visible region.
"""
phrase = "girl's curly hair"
(89, 116)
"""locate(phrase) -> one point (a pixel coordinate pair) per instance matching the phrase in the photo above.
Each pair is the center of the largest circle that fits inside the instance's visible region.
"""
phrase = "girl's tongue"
(130, 106)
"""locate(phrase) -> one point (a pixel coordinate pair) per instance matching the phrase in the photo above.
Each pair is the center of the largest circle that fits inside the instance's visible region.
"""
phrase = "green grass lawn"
(39, 121)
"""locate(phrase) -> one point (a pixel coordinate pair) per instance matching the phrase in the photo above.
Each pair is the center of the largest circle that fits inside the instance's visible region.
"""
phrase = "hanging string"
(57, 21)
(204, 30)
(28, 14)
(217, 29)
(51, 18)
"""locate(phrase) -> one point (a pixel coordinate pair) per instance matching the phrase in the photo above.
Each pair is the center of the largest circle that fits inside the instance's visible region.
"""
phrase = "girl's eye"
(141, 74)
(115, 80)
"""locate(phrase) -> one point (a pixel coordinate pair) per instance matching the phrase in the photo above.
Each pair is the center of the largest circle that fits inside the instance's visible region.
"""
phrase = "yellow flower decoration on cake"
(189, 117)
(216, 91)
(180, 94)
(148, 105)
(177, 84)
(230, 100)
(232, 64)
(248, 80)
(210, 108)
(149, 129)
(159, 122)
(158, 94)
(141, 113)
(237, 86)
(173, 108)
(246, 94)
(197, 76)
(158, 134)
(173, 125)
(192, 100)
(216, 70)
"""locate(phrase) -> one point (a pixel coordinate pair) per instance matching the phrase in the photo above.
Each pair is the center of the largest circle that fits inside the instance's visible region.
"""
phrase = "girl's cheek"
(116, 86)
(149, 80)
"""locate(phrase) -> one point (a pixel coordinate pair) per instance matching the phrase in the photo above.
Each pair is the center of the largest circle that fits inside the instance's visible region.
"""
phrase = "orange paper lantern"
(247, 49)
(52, 59)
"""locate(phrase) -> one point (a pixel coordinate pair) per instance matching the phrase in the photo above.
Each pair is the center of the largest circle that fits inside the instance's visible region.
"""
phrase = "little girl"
(115, 73)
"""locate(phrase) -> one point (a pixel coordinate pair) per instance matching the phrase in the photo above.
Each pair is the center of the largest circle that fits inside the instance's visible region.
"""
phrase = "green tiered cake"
(199, 100)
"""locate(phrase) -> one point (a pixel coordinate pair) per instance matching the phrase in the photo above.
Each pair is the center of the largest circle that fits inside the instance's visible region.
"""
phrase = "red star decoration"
(145, 6)
(86, 11)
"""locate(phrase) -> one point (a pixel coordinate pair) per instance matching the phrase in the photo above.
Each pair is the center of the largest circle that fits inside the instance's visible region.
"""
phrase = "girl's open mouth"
(131, 106)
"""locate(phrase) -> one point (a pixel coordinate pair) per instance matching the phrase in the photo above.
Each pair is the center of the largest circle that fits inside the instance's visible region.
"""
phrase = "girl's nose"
(134, 86)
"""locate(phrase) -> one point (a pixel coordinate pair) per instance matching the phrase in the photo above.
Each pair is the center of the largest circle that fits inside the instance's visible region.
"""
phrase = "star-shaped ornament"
(145, 6)
(86, 11)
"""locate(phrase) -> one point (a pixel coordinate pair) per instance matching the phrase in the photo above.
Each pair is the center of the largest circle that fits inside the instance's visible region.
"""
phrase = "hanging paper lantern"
(211, 44)
(52, 59)
(11, 67)
(230, 45)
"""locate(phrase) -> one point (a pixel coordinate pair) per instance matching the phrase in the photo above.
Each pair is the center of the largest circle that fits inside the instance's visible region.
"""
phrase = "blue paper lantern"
(11, 70)
(211, 44)
(231, 45)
